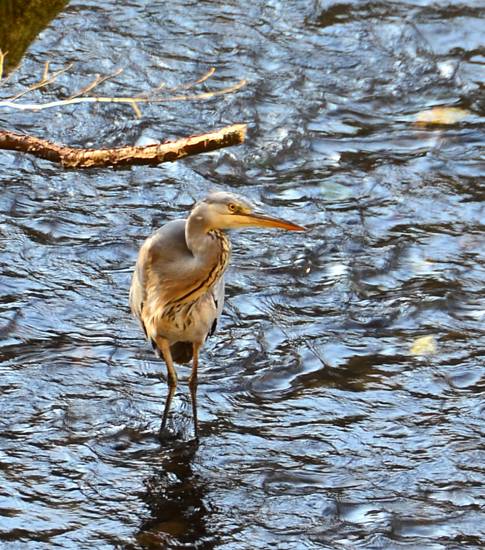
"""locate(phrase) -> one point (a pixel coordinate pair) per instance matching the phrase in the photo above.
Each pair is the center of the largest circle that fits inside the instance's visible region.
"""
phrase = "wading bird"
(177, 290)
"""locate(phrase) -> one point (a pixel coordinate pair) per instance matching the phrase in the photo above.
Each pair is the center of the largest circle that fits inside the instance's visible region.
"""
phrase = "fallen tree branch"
(71, 157)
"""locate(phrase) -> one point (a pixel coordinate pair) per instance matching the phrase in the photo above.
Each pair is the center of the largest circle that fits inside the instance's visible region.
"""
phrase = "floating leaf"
(441, 115)
(426, 345)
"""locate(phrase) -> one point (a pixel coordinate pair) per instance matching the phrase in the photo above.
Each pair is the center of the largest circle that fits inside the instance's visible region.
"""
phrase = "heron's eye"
(231, 207)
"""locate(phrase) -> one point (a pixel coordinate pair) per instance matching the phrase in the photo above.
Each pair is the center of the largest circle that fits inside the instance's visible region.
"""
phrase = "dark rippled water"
(325, 422)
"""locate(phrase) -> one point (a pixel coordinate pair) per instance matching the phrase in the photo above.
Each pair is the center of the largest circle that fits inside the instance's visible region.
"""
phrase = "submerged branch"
(79, 96)
(127, 100)
(71, 157)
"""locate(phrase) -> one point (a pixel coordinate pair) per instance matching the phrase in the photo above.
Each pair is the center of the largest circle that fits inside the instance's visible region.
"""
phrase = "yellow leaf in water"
(426, 345)
(441, 115)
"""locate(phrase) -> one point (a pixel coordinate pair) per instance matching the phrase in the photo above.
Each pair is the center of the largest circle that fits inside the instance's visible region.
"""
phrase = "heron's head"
(222, 210)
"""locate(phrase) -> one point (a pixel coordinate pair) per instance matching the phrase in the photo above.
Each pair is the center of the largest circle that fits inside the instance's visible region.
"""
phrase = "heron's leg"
(193, 384)
(164, 347)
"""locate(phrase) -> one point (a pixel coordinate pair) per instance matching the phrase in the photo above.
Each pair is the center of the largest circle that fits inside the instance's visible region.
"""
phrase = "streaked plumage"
(177, 289)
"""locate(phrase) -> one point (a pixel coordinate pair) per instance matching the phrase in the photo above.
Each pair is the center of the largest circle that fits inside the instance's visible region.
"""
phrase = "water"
(325, 422)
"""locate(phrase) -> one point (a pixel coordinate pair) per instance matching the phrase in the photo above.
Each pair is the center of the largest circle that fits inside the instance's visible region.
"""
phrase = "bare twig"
(203, 95)
(96, 82)
(46, 79)
(202, 79)
(45, 74)
(162, 86)
(81, 97)
(135, 107)
(128, 100)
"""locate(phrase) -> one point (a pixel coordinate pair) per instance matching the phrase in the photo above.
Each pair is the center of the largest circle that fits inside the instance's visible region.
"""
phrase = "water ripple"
(321, 425)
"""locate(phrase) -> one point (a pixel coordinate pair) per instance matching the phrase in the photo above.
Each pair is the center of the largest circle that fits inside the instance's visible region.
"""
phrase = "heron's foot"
(166, 434)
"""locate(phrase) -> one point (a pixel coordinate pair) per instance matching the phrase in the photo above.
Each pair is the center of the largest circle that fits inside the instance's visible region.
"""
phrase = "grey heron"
(177, 289)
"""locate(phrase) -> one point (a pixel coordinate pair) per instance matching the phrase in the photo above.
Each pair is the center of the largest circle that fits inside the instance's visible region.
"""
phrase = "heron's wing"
(137, 294)
(160, 263)
(218, 294)
(167, 271)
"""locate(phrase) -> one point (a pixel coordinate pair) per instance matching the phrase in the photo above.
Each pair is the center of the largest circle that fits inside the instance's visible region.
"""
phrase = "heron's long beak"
(258, 219)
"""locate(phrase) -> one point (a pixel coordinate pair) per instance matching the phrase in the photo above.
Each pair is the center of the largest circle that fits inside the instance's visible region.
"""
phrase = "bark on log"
(71, 157)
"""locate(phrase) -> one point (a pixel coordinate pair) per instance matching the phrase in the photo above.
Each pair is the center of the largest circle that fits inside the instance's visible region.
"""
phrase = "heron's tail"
(181, 352)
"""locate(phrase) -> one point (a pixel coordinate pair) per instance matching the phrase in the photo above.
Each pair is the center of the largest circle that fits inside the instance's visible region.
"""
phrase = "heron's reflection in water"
(175, 497)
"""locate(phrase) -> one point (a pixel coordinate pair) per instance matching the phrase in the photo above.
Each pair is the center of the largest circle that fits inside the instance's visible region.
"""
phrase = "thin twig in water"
(163, 86)
(126, 100)
(81, 97)
(45, 74)
(202, 79)
(46, 79)
(96, 82)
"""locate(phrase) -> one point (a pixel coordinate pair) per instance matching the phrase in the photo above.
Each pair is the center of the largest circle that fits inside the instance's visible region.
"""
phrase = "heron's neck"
(211, 250)
(210, 246)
